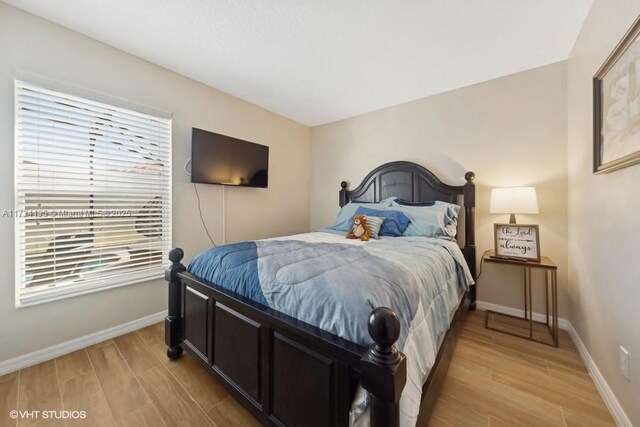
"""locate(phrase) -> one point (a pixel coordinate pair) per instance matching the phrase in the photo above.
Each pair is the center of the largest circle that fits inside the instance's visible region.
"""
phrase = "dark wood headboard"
(414, 183)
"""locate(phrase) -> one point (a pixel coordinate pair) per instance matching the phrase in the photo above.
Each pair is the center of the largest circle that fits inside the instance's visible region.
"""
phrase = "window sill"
(29, 299)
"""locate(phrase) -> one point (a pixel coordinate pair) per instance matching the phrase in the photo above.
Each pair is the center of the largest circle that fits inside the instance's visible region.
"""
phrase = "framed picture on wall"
(616, 106)
(517, 241)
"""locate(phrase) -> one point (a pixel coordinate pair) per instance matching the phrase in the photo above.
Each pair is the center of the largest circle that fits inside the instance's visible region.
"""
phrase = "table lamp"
(514, 200)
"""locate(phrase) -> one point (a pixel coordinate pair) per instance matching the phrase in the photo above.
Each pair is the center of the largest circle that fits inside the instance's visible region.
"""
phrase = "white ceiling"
(318, 61)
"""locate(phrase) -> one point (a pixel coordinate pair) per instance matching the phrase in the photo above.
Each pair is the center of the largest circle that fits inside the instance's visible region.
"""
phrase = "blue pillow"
(437, 220)
(395, 222)
(344, 221)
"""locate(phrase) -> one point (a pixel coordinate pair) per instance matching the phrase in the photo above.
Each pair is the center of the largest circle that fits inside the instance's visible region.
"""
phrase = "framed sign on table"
(517, 241)
(616, 106)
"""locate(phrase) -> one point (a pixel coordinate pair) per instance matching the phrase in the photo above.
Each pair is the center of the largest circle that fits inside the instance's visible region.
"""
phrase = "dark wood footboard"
(285, 372)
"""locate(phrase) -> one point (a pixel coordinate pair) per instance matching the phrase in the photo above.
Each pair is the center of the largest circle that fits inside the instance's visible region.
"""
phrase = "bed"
(296, 350)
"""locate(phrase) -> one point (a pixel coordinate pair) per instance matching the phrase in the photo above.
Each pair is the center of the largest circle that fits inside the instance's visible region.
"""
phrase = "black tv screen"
(221, 159)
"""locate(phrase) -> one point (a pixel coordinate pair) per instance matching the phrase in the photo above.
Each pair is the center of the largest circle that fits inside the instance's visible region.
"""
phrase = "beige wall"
(510, 131)
(32, 45)
(604, 226)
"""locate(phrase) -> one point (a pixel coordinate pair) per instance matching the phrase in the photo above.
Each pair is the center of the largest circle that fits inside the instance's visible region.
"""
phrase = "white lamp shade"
(514, 200)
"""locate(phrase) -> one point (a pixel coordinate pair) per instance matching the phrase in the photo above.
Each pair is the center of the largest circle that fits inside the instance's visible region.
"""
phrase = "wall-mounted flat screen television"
(221, 159)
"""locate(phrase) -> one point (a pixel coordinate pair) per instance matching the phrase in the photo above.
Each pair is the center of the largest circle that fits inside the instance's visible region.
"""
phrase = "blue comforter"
(334, 286)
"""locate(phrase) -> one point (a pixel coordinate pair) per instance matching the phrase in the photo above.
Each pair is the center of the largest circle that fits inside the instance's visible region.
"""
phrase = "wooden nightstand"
(551, 280)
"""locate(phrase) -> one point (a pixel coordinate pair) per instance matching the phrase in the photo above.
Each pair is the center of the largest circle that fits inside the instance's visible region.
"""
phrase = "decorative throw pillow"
(374, 223)
(394, 224)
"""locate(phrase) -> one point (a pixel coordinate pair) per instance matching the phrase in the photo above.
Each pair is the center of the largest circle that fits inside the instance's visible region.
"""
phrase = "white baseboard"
(538, 317)
(618, 414)
(61, 349)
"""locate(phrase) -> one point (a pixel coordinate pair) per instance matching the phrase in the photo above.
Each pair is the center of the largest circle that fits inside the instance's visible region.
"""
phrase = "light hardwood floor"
(500, 380)
(494, 380)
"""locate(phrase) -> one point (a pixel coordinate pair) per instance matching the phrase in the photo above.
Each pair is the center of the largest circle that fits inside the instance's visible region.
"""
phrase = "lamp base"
(512, 219)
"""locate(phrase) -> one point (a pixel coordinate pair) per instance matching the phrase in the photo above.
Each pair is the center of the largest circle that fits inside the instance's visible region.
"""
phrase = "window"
(93, 195)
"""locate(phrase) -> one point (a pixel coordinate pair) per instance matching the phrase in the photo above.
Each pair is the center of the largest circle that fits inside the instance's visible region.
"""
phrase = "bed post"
(343, 194)
(173, 322)
(469, 251)
(384, 368)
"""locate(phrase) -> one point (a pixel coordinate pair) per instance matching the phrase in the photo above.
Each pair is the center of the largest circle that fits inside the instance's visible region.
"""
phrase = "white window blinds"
(93, 195)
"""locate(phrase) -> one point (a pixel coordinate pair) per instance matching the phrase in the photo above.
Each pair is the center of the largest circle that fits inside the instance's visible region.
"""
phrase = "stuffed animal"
(360, 228)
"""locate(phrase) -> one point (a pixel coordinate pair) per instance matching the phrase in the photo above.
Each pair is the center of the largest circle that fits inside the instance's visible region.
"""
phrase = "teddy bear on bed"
(360, 228)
